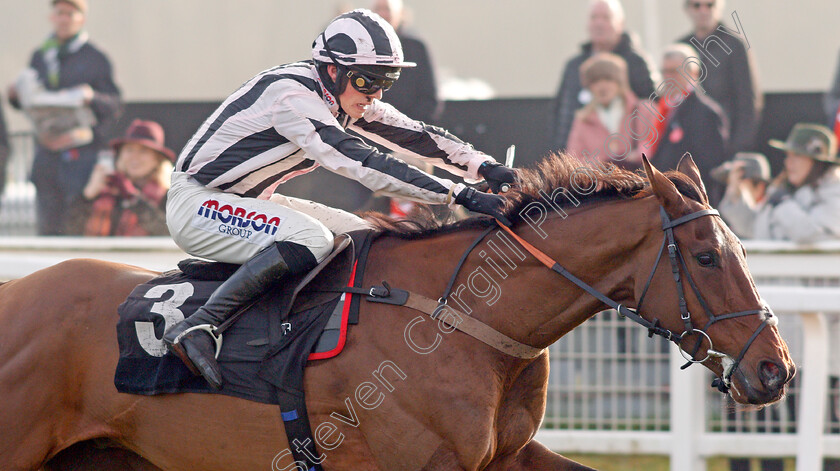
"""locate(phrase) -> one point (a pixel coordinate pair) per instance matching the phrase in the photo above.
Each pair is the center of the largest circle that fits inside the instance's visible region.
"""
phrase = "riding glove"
(484, 203)
(496, 175)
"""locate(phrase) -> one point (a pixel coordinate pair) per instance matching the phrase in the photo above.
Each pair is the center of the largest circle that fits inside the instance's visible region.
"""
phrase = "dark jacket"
(415, 93)
(697, 126)
(4, 151)
(567, 101)
(733, 84)
(831, 101)
(89, 66)
(59, 177)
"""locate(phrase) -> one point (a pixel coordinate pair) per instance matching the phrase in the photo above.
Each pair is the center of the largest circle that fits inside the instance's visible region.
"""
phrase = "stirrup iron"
(210, 329)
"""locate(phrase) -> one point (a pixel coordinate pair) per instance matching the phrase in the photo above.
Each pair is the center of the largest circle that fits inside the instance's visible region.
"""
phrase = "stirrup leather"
(210, 329)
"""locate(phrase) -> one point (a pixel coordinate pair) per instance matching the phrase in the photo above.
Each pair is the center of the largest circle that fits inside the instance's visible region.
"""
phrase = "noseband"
(654, 328)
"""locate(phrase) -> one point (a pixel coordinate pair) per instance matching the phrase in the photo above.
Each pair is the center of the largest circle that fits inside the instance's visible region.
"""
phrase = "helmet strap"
(340, 83)
(335, 87)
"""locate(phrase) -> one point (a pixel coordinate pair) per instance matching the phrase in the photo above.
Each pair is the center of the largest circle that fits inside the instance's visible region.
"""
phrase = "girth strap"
(436, 309)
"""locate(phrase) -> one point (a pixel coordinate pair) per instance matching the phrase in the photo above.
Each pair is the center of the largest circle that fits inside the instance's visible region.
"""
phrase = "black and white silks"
(283, 123)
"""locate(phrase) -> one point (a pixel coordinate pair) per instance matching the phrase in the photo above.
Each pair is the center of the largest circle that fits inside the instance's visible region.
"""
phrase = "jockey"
(285, 122)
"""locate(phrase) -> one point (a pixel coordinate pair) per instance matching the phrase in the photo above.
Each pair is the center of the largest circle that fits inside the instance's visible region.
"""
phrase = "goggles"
(367, 85)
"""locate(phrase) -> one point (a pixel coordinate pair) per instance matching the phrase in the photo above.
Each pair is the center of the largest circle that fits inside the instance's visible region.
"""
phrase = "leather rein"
(514, 348)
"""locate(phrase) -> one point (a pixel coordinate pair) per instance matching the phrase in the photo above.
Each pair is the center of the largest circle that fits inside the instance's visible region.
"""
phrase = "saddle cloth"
(255, 347)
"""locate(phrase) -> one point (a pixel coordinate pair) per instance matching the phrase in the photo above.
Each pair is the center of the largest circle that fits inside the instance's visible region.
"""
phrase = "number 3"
(168, 309)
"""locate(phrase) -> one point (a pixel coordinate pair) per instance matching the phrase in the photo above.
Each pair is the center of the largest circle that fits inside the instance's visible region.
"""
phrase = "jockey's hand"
(496, 175)
(484, 203)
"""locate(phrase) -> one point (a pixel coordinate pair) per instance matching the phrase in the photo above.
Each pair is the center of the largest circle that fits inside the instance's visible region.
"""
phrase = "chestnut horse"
(408, 393)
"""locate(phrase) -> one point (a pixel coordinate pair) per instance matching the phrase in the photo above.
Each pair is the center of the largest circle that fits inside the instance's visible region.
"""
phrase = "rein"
(677, 262)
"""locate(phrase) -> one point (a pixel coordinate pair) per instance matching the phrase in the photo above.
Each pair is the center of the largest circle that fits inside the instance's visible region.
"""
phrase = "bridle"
(654, 328)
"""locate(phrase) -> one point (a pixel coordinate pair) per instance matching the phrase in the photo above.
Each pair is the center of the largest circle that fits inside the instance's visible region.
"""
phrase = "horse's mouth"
(759, 392)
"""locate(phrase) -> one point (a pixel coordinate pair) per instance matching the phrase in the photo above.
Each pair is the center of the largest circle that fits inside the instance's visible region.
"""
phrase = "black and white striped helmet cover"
(360, 37)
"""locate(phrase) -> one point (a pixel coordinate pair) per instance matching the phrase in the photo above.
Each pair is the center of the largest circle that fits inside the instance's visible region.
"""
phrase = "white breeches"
(209, 223)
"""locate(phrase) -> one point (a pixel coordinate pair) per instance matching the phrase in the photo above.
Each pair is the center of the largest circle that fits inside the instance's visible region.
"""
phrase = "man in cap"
(67, 75)
(746, 178)
(285, 122)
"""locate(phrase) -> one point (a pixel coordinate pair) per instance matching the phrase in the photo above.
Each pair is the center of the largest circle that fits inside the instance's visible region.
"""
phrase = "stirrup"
(210, 329)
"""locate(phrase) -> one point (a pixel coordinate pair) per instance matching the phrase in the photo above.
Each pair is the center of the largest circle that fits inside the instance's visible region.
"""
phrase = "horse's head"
(705, 291)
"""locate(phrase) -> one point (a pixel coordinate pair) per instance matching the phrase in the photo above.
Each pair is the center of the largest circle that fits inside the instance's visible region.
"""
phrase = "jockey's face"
(353, 102)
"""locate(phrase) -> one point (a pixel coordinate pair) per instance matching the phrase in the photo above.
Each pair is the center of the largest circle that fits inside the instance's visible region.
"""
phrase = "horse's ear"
(689, 169)
(667, 193)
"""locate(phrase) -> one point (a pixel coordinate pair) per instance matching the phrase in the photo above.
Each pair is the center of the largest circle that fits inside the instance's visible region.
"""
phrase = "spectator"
(831, 102)
(609, 113)
(127, 197)
(693, 123)
(68, 71)
(803, 203)
(746, 178)
(415, 93)
(606, 34)
(731, 78)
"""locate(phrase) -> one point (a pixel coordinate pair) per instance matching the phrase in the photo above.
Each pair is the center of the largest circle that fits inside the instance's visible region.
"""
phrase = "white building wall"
(186, 50)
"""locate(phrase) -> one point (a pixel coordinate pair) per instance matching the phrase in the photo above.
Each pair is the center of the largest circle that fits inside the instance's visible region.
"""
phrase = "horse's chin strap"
(723, 383)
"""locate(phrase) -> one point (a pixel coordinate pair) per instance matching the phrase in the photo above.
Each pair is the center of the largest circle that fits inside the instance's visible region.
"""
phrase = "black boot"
(197, 348)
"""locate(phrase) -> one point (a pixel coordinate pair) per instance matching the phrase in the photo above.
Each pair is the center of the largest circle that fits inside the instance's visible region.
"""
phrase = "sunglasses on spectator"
(698, 5)
(368, 85)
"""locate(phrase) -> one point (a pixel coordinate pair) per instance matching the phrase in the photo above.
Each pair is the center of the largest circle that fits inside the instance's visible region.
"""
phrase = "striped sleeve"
(385, 125)
(304, 121)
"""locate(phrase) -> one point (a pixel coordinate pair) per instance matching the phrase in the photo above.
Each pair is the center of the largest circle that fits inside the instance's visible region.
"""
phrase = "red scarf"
(108, 215)
(664, 110)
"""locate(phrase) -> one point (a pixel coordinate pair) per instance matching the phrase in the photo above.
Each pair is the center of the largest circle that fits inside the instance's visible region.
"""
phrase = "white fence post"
(809, 448)
(688, 414)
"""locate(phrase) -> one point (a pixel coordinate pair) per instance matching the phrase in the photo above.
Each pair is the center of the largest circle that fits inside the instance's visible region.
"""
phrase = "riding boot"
(194, 339)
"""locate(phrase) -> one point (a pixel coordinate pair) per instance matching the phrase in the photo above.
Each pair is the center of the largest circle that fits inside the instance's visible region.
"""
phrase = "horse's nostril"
(772, 375)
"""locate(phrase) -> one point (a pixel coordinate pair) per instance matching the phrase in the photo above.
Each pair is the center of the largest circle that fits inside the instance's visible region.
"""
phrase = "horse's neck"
(599, 244)
(503, 286)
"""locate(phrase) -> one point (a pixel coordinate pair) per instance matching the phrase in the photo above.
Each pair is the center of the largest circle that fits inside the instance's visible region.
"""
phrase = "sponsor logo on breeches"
(237, 222)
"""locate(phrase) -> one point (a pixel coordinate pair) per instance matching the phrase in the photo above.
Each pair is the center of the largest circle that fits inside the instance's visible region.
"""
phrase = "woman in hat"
(803, 203)
(601, 129)
(126, 196)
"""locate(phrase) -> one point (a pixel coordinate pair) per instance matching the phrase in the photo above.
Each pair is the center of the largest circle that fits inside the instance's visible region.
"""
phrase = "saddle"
(309, 309)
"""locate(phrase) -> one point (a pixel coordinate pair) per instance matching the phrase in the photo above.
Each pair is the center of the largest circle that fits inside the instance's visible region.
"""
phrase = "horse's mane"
(556, 172)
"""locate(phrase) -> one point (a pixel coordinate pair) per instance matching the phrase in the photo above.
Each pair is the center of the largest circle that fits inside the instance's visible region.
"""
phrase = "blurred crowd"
(612, 105)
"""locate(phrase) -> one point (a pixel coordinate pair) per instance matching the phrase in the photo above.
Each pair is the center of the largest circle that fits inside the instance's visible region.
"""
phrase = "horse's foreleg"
(87, 456)
(536, 457)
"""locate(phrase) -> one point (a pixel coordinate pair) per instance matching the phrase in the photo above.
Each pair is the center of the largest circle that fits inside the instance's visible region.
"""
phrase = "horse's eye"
(706, 260)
